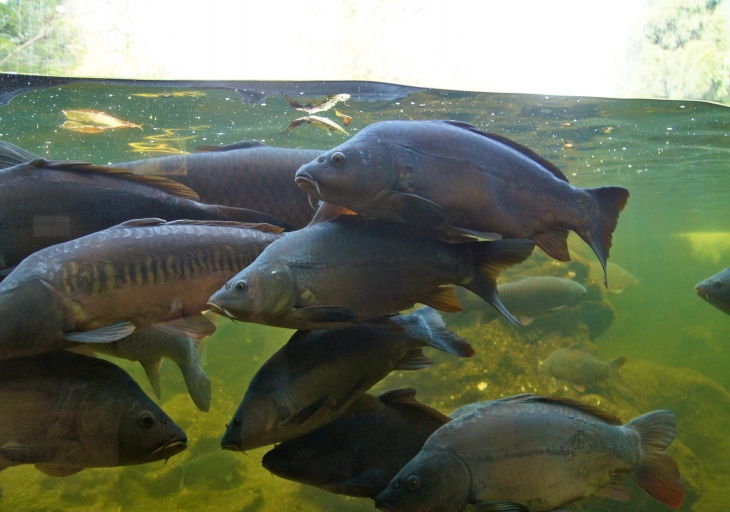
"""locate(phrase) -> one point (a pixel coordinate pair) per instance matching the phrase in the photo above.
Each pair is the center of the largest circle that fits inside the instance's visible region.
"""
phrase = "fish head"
(354, 174)
(253, 423)
(257, 293)
(147, 434)
(716, 290)
(575, 292)
(544, 366)
(431, 481)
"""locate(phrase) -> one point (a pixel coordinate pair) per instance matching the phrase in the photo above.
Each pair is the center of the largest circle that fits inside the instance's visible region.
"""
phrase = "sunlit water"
(673, 156)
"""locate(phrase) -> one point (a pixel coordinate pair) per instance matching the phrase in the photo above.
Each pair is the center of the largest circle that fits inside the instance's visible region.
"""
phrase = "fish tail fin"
(439, 336)
(196, 380)
(153, 368)
(617, 363)
(11, 155)
(610, 201)
(490, 258)
(657, 473)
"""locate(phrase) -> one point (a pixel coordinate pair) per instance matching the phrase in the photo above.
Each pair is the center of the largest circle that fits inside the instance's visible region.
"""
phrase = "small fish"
(580, 367)
(85, 128)
(320, 375)
(358, 455)
(350, 269)
(43, 203)
(621, 279)
(318, 122)
(64, 412)
(533, 454)
(313, 108)
(175, 94)
(345, 118)
(453, 177)
(528, 298)
(97, 117)
(246, 174)
(140, 274)
(716, 290)
(155, 147)
(149, 346)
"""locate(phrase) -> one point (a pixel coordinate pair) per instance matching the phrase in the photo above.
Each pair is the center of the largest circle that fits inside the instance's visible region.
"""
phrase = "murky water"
(671, 155)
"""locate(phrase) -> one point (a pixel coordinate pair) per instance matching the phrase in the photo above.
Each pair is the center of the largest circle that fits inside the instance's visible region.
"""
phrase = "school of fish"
(128, 260)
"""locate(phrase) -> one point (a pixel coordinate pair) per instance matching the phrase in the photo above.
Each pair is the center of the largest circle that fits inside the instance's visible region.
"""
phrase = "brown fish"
(351, 269)
(314, 107)
(318, 122)
(580, 367)
(85, 116)
(358, 455)
(43, 203)
(534, 454)
(65, 412)
(139, 274)
(449, 175)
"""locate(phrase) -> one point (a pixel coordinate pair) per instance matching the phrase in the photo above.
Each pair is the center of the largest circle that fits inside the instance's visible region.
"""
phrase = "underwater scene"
(179, 331)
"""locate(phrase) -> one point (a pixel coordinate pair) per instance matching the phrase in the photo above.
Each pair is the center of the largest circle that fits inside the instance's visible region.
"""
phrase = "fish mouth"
(702, 294)
(218, 308)
(231, 447)
(305, 181)
(172, 446)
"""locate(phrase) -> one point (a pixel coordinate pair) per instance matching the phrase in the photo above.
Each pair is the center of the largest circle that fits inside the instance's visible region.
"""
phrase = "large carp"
(454, 177)
(139, 274)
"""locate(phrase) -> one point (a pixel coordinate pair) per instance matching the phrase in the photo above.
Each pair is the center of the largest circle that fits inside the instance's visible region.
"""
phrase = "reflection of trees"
(33, 37)
(684, 51)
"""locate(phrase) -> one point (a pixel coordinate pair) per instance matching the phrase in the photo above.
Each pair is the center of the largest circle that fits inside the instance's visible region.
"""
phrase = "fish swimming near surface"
(149, 346)
(451, 176)
(43, 203)
(621, 279)
(318, 122)
(140, 274)
(349, 269)
(716, 290)
(534, 454)
(88, 117)
(528, 298)
(64, 412)
(358, 455)
(320, 375)
(580, 367)
(314, 107)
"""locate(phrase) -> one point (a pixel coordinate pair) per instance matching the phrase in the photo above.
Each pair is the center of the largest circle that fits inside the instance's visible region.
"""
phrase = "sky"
(567, 47)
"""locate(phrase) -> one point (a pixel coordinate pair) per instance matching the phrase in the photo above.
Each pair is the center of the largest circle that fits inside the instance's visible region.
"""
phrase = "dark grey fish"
(716, 290)
(528, 298)
(320, 375)
(149, 346)
(139, 274)
(358, 455)
(451, 176)
(44, 203)
(580, 367)
(351, 269)
(534, 454)
(65, 412)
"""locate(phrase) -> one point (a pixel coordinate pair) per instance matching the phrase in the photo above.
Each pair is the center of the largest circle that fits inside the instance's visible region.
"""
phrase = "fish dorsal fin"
(582, 348)
(514, 145)
(264, 228)
(244, 144)
(171, 187)
(407, 396)
(609, 418)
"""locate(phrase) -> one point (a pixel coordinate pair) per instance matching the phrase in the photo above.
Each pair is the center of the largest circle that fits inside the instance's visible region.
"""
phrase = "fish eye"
(145, 419)
(413, 483)
(337, 158)
(240, 286)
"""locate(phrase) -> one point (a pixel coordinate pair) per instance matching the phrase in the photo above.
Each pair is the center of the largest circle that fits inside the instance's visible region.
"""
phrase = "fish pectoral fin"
(371, 477)
(580, 388)
(196, 327)
(554, 242)
(414, 360)
(444, 299)
(152, 368)
(525, 320)
(305, 412)
(364, 404)
(454, 234)
(324, 314)
(614, 489)
(327, 211)
(21, 453)
(413, 209)
(496, 506)
(58, 471)
(108, 334)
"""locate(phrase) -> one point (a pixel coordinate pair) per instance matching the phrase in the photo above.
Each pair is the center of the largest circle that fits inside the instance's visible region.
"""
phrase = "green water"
(672, 156)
